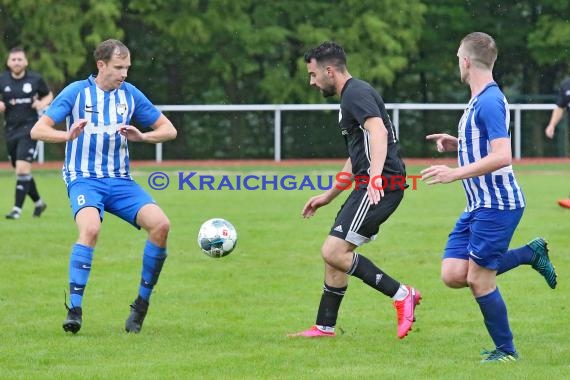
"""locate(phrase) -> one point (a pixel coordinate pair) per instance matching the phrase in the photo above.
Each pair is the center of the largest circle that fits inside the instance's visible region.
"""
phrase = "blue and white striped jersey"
(100, 151)
(487, 118)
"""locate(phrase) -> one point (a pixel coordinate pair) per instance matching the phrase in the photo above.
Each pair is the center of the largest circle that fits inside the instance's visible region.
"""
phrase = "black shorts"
(358, 221)
(20, 146)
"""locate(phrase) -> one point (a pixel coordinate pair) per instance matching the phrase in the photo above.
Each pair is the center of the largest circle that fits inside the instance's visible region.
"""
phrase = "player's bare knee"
(160, 229)
(89, 234)
(330, 254)
(337, 258)
(454, 284)
(476, 288)
(327, 254)
(453, 280)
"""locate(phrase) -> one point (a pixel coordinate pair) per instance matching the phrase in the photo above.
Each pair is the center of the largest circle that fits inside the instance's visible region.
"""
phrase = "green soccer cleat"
(541, 262)
(499, 356)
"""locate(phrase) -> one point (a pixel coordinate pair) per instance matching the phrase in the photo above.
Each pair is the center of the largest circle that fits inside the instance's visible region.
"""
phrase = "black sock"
(330, 303)
(22, 188)
(33, 191)
(373, 276)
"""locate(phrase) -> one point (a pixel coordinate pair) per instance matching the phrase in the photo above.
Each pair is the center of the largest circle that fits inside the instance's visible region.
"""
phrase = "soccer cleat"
(38, 210)
(405, 311)
(13, 215)
(564, 203)
(312, 332)
(74, 318)
(135, 320)
(541, 262)
(499, 356)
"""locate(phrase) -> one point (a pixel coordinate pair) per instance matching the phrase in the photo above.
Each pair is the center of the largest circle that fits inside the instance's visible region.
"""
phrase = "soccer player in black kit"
(378, 172)
(24, 94)
(562, 103)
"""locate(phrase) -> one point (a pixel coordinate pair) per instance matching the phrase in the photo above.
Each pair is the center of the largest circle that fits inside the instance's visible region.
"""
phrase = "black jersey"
(18, 96)
(358, 102)
(563, 99)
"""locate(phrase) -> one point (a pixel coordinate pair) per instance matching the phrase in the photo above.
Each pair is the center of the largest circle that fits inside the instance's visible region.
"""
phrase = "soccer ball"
(217, 237)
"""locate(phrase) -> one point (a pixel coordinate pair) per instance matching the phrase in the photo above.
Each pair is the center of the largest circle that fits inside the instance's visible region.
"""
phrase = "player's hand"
(438, 174)
(549, 131)
(36, 103)
(131, 133)
(76, 129)
(2, 106)
(313, 204)
(443, 142)
(375, 190)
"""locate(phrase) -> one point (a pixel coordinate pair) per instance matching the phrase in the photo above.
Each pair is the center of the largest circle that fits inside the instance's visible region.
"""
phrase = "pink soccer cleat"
(313, 332)
(405, 310)
(564, 203)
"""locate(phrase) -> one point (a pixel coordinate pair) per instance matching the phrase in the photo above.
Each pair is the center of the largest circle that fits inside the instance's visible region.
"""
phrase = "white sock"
(401, 294)
(328, 329)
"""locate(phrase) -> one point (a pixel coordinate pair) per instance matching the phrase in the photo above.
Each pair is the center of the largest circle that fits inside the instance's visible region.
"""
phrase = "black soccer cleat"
(38, 210)
(74, 318)
(14, 214)
(135, 320)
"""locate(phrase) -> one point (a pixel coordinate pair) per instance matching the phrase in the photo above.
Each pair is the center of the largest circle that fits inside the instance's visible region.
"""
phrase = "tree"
(58, 35)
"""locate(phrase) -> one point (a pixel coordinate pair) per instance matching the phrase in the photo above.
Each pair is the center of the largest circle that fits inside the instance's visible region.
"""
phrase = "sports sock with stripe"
(153, 260)
(329, 306)
(373, 276)
(496, 320)
(79, 269)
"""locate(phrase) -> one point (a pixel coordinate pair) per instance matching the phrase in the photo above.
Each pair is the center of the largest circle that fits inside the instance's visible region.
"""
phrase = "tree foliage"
(57, 35)
(248, 51)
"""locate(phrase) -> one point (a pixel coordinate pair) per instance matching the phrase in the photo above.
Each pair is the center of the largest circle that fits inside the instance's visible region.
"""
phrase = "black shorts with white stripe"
(358, 221)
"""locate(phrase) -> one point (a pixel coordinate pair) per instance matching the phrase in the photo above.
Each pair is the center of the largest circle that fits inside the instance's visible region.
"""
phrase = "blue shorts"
(122, 197)
(483, 235)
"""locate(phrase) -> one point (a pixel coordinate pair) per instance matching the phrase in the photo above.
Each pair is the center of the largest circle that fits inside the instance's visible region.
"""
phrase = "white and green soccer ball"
(217, 237)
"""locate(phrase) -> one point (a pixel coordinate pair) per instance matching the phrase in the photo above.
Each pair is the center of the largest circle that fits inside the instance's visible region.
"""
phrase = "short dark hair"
(17, 49)
(106, 49)
(328, 53)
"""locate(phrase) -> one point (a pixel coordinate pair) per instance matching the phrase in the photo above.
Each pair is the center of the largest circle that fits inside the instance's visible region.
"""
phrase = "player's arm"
(2, 104)
(44, 130)
(499, 157)
(378, 151)
(556, 116)
(343, 181)
(444, 142)
(43, 102)
(162, 130)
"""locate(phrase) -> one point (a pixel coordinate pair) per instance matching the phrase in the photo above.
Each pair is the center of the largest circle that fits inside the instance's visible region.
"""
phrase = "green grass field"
(228, 318)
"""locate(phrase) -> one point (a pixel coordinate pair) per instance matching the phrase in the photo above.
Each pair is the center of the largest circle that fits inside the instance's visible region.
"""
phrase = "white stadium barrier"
(396, 109)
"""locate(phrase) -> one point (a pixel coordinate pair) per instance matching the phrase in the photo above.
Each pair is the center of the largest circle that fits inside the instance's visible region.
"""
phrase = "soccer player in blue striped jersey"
(99, 112)
(478, 247)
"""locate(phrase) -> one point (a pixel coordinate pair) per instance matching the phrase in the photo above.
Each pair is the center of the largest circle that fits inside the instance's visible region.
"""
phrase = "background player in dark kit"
(24, 95)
